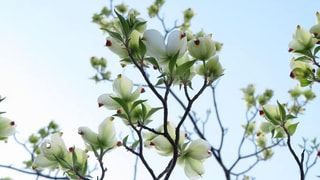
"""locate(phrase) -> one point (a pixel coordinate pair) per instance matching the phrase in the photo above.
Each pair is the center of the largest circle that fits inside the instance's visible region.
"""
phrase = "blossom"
(52, 151)
(105, 138)
(202, 48)
(193, 156)
(156, 47)
(122, 88)
(7, 127)
(302, 40)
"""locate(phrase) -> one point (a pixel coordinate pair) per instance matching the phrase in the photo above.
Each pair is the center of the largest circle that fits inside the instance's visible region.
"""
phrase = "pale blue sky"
(45, 47)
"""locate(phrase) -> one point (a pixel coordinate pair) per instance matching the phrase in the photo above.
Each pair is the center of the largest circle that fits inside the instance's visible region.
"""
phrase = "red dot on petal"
(119, 111)
(142, 90)
(71, 149)
(290, 50)
(81, 132)
(108, 43)
(12, 123)
(292, 75)
(119, 143)
(197, 42)
(261, 112)
(182, 35)
(151, 144)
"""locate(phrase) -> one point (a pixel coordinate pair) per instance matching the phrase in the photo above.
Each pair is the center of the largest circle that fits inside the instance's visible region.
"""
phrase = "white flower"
(157, 48)
(302, 40)
(202, 48)
(7, 127)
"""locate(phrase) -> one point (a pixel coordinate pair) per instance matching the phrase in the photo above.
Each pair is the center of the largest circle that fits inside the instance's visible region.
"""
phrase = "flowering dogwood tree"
(182, 65)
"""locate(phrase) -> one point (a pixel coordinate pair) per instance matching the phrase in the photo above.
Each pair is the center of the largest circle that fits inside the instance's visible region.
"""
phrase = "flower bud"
(122, 8)
(202, 48)
(188, 14)
(267, 154)
(309, 94)
(261, 141)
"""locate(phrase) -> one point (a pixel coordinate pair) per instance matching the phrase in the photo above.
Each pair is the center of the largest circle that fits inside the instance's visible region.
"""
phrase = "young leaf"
(270, 117)
(134, 145)
(142, 47)
(172, 61)
(282, 112)
(152, 111)
(316, 50)
(136, 103)
(292, 128)
(124, 25)
(113, 34)
(184, 67)
(125, 139)
(122, 103)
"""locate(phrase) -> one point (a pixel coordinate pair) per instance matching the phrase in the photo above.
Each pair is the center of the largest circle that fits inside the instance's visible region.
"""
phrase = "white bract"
(157, 48)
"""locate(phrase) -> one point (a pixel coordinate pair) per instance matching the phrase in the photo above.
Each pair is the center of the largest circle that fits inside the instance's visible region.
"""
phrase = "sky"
(45, 47)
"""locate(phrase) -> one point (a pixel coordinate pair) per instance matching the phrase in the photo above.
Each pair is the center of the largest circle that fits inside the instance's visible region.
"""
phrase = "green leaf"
(304, 82)
(172, 61)
(134, 145)
(270, 118)
(122, 103)
(136, 103)
(122, 115)
(289, 116)
(304, 52)
(159, 82)
(153, 61)
(113, 34)
(316, 50)
(124, 25)
(184, 67)
(152, 111)
(292, 128)
(279, 134)
(282, 112)
(125, 139)
(142, 48)
(304, 59)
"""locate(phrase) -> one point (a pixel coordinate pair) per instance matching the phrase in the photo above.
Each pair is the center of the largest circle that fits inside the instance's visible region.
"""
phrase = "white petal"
(154, 42)
(176, 42)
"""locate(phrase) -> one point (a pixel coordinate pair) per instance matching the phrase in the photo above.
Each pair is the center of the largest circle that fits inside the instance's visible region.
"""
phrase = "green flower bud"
(267, 154)
(122, 8)
(103, 62)
(33, 139)
(202, 48)
(249, 128)
(309, 94)
(153, 10)
(261, 141)
(188, 14)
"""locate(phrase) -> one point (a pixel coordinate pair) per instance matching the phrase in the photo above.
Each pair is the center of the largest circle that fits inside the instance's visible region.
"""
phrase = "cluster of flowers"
(304, 45)
(55, 155)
